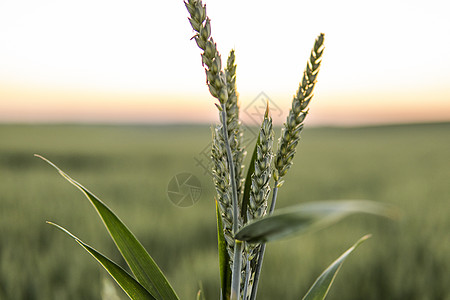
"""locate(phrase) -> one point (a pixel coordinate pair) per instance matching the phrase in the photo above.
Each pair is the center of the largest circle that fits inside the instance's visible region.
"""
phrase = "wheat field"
(129, 168)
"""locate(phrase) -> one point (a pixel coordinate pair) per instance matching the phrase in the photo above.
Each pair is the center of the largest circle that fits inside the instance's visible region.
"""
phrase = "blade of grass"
(140, 262)
(306, 217)
(224, 259)
(321, 286)
(130, 286)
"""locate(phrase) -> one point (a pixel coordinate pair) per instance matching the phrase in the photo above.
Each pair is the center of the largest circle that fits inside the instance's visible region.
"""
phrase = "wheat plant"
(245, 205)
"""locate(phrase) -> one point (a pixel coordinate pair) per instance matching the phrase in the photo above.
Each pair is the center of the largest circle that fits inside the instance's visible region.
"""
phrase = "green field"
(129, 167)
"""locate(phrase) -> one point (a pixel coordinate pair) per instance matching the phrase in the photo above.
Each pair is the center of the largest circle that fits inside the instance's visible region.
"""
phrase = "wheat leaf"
(306, 217)
(140, 262)
(224, 265)
(131, 287)
(321, 286)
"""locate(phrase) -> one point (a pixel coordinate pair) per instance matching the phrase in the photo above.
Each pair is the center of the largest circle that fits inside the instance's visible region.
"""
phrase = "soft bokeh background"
(130, 168)
(132, 61)
(75, 74)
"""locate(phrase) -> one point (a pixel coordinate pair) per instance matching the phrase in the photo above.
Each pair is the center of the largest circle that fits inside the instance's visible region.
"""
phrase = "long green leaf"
(224, 265)
(140, 262)
(130, 286)
(321, 286)
(306, 217)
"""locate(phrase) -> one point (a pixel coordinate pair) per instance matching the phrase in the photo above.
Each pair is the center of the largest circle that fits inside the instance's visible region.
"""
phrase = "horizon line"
(195, 124)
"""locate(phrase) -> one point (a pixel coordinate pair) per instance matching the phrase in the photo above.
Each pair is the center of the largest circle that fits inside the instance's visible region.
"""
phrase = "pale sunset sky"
(133, 61)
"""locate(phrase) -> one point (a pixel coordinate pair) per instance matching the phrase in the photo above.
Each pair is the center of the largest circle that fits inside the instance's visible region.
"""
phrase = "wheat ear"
(215, 77)
(233, 124)
(260, 188)
(290, 135)
(216, 80)
(259, 193)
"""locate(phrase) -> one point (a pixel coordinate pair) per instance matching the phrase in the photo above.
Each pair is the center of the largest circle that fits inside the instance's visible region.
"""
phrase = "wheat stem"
(231, 169)
(257, 272)
(247, 277)
(263, 246)
(236, 273)
(274, 197)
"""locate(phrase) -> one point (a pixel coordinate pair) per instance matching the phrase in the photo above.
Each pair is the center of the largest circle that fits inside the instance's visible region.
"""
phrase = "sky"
(133, 61)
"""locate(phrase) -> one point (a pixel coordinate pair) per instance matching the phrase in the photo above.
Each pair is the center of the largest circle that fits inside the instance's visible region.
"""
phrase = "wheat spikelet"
(235, 133)
(290, 134)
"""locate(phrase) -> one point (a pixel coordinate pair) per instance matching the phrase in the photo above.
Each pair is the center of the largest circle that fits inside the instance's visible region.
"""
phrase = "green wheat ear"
(215, 77)
(260, 185)
(227, 153)
(233, 124)
(258, 194)
(290, 133)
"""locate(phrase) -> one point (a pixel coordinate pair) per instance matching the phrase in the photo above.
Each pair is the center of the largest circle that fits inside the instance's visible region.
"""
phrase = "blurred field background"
(129, 168)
